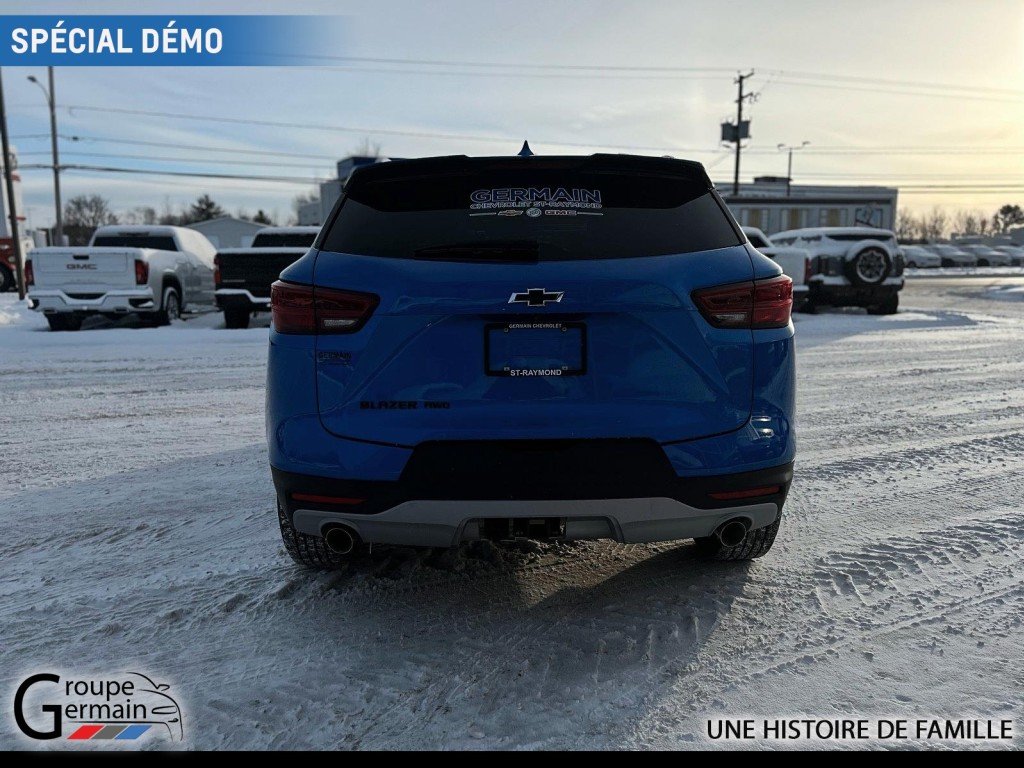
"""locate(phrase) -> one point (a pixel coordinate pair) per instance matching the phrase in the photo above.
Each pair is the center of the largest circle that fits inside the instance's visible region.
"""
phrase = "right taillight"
(30, 274)
(314, 310)
(759, 304)
(141, 272)
(216, 271)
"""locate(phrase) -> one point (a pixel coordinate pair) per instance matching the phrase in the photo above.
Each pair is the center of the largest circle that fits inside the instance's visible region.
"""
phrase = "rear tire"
(755, 545)
(310, 551)
(64, 322)
(236, 318)
(170, 308)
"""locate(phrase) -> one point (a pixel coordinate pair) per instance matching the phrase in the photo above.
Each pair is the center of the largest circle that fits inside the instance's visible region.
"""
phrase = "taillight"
(216, 271)
(141, 272)
(760, 304)
(30, 274)
(305, 309)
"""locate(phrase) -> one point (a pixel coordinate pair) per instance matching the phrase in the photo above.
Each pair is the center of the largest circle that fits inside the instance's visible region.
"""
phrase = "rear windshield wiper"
(498, 251)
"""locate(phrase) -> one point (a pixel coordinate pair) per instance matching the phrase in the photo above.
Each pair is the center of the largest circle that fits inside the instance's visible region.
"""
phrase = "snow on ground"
(141, 534)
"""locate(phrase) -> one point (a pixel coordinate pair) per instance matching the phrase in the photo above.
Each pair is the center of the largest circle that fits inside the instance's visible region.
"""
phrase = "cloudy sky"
(924, 94)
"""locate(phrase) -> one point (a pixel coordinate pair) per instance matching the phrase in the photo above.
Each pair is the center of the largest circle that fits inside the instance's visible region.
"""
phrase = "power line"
(817, 149)
(195, 148)
(351, 129)
(190, 174)
(904, 92)
(603, 68)
(182, 160)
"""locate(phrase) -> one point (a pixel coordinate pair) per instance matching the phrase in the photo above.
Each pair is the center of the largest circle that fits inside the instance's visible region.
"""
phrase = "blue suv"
(530, 347)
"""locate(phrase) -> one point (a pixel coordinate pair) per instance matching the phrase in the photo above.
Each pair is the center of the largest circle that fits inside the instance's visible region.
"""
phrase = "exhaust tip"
(341, 540)
(732, 532)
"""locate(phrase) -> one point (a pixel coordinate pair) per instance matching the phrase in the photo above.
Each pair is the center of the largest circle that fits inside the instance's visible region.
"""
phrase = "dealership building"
(772, 205)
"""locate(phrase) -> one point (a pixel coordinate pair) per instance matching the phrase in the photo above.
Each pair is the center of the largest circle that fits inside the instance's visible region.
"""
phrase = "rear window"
(529, 214)
(157, 242)
(284, 240)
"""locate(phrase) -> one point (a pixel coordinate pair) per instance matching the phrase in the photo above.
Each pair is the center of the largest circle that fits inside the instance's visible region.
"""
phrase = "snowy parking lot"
(141, 534)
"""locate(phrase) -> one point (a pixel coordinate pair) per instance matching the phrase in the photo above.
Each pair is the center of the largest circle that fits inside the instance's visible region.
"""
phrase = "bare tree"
(83, 214)
(907, 226)
(935, 224)
(140, 214)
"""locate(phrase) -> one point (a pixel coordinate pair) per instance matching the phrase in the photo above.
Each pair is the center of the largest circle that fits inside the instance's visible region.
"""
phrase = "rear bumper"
(844, 294)
(416, 513)
(241, 298)
(117, 301)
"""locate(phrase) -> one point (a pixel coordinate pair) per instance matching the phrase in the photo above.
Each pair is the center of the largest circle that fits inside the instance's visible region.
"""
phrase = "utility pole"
(740, 97)
(51, 102)
(12, 210)
(789, 167)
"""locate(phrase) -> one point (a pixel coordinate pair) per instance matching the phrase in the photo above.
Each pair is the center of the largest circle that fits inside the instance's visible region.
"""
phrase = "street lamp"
(789, 170)
(52, 104)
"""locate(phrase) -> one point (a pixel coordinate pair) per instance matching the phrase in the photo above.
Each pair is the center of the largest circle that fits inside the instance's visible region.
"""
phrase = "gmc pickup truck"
(243, 275)
(153, 272)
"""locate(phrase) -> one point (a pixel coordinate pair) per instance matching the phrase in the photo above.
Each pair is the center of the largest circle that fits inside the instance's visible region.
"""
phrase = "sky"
(926, 95)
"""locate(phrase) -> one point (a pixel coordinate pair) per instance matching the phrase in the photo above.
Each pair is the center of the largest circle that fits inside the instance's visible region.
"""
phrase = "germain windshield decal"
(539, 197)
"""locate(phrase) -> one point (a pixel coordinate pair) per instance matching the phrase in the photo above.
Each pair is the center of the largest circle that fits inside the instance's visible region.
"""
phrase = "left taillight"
(758, 304)
(30, 274)
(141, 272)
(313, 310)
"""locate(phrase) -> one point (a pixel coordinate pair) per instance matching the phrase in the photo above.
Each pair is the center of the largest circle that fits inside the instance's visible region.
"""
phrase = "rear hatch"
(538, 298)
(84, 272)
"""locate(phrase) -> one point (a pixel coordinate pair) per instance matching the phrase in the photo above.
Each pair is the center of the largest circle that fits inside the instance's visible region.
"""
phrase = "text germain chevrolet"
(556, 347)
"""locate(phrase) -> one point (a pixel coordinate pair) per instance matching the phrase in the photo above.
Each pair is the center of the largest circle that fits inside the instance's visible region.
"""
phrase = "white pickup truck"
(795, 262)
(155, 272)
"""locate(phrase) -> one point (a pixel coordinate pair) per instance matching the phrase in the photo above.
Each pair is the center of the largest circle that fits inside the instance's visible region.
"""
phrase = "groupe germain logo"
(111, 708)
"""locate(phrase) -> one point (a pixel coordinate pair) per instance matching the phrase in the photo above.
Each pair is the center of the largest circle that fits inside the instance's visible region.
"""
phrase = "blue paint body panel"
(718, 401)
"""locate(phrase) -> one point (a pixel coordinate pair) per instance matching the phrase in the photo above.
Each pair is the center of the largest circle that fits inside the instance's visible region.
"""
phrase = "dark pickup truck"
(243, 275)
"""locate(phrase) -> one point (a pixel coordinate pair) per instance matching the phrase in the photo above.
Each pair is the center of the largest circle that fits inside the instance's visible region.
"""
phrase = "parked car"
(918, 257)
(953, 255)
(987, 256)
(154, 272)
(1016, 253)
(518, 347)
(795, 262)
(850, 267)
(243, 275)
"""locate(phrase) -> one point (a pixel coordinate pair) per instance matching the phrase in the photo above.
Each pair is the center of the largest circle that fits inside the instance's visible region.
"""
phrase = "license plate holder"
(535, 349)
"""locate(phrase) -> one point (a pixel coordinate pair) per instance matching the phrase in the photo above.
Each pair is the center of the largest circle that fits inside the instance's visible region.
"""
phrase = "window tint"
(284, 240)
(529, 214)
(157, 242)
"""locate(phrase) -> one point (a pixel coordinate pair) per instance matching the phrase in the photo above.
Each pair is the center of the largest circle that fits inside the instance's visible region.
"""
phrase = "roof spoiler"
(607, 163)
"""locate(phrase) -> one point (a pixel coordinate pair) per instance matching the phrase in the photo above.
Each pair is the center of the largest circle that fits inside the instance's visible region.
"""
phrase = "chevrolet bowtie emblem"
(536, 297)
